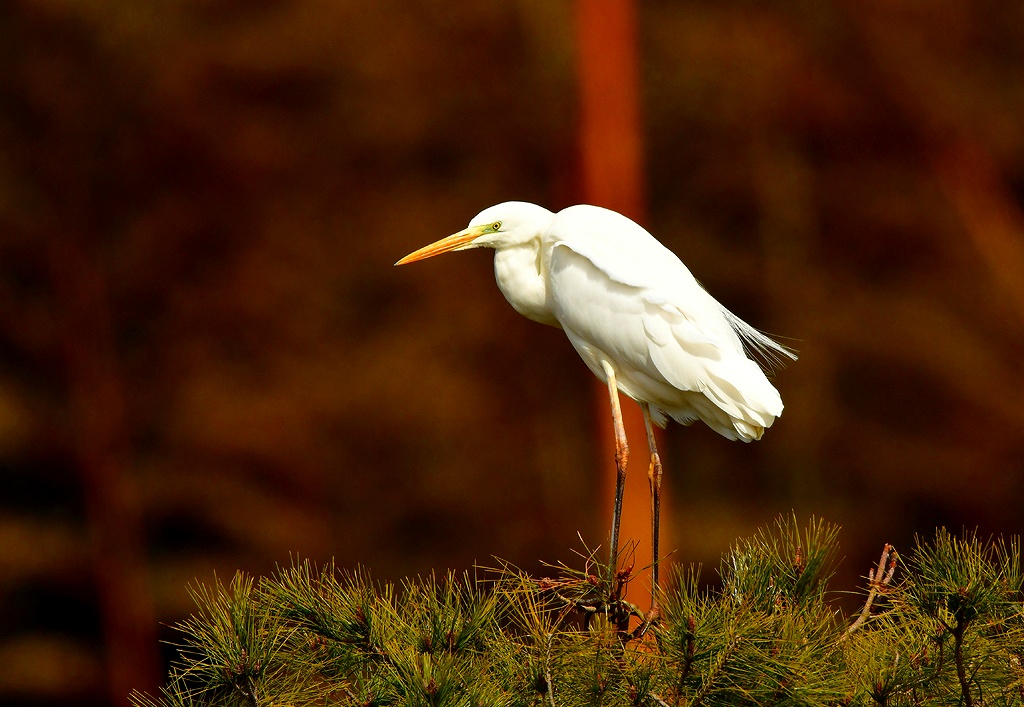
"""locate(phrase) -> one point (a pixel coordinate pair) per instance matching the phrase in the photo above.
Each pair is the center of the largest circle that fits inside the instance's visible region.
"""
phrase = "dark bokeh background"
(208, 363)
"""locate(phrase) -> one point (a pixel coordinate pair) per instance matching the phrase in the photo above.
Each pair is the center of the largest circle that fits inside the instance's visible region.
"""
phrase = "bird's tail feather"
(758, 345)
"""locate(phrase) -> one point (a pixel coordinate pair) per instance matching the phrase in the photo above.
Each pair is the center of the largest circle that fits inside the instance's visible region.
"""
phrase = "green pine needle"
(947, 628)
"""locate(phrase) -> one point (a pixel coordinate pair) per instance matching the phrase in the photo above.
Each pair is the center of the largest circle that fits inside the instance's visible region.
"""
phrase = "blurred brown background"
(208, 362)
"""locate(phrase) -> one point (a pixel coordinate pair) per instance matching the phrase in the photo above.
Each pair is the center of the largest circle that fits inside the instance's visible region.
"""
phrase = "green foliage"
(949, 631)
(952, 632)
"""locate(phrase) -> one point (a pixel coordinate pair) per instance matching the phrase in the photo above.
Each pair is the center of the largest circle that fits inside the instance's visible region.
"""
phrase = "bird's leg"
(654, 475)
(621, 459)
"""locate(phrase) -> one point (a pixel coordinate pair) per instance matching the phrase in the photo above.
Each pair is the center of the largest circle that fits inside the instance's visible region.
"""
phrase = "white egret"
(636, 316)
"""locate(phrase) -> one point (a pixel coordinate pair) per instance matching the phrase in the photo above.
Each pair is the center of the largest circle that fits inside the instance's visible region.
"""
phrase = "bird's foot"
(651, 618)
(653, 615)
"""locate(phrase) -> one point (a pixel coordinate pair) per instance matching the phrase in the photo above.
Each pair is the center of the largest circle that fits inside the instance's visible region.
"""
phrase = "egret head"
(501, 226)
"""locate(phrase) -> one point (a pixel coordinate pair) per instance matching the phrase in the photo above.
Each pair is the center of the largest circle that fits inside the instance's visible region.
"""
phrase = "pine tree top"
(945, 628)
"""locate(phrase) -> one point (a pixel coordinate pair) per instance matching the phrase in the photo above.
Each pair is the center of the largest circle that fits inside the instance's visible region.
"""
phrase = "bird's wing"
(660, 355)
(623, 322)
(622, 249)
(626, 253)
(621, 295)
(622, 253)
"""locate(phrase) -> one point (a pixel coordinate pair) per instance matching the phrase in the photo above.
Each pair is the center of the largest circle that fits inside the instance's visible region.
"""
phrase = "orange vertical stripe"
(611, 154)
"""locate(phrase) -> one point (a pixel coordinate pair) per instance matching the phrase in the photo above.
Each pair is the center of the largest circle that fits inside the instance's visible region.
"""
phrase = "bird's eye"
(496, 226)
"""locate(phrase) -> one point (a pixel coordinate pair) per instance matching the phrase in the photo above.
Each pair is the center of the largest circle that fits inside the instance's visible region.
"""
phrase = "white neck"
(520, 272)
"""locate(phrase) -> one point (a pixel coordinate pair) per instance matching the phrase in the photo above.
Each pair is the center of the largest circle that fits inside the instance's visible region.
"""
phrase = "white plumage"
(624, 299)
(637, 317)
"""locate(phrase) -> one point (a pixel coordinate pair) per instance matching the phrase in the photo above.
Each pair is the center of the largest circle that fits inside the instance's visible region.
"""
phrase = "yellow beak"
(452, 242)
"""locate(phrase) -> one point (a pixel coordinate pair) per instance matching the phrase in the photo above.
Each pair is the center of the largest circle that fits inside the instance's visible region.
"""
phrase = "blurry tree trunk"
(101, 446)
(611, 153)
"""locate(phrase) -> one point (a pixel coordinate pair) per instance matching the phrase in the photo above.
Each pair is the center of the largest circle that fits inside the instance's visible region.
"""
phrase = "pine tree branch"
(547, 673)
(961, 672)
(768, 636)
(713, 672)
(878, 579)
